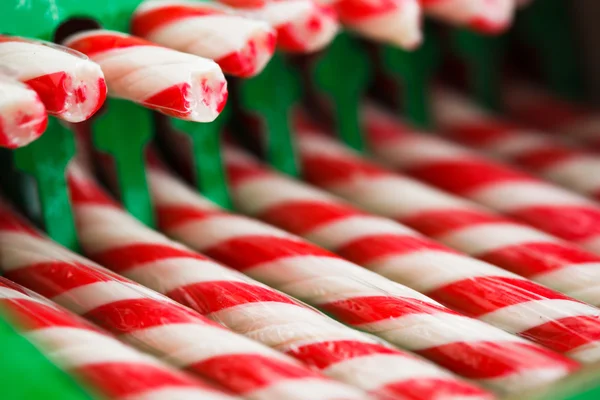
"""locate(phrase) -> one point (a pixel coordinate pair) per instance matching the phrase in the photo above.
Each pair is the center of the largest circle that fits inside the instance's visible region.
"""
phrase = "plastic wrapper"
(112, 237)
(302, 26)
(458, 223)
(511, 191)
(155, 323)
(23, 116)
(68, 83)
(100, 362)
(540, 109)
(177, 84)
(568, 166)
(487, 16)
(396, 22)
(350, 293)
(241, 46)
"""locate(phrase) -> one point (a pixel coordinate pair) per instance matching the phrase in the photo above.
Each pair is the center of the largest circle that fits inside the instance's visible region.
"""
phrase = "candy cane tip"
(23, 116)
(309, 32)
(252, 58)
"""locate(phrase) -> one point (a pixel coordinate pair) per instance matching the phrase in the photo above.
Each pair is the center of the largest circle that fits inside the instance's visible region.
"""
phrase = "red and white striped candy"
(118, 241)
(241, 46)
(568, 166)
(177, 84)
(397, 22)
(350, 293)
(487, 16)
(302, 26)
(70, 86)
(153, 322)
(451, 220)
(569, 121)
(23, 116)
(102, 363)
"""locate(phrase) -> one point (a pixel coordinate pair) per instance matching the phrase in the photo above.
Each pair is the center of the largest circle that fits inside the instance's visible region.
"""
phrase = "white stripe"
(591, 244)
(344, 231)
(523, 316)
(587, 127)
(581, 173)
(11, 294)
(428, 270)
(316, 144)
(527, 379)
(189, 343)
(86, 298)
(482, 238)
(512, 196)
(400, 27)
(257, 195)
(518, 143)
(421, 150)
(308, 388)
(449, 106)
(375, 371)
(423, 331)
(581, 281)
(212, 231)
(179, 393)
(588, 353)
(169, 191)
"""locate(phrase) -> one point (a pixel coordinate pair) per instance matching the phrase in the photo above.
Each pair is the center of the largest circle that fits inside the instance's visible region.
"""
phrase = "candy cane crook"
(102, 363)
(487, 16)
(70, 86)
(23, 116)
(155, 323)
(241, 46)
(177, 84)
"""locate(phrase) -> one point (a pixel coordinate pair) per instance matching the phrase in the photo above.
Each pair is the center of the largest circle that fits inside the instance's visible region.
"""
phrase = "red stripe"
(463, 176)
(549, 114)
(547, 157)
(303, 216)
(432, 388)
(324, 354)
(245, 373)
(52, 90)
(214, 296)
(53, 278)
(568, 222)
(144, 23)
(129, 316)
(326, 170)
(531, 259)
(173, 101)
(375, 247)
(251, 251)
(481, 295)
(356, 11)
(440, 222)
(12, 222)
(485, 360)
(239, 173)
(88, 192)
(387, 130)
(365, 310)
(482, 133)
(171, 217)
(92, 45)
(566, 334)
(121, 259)
(128, 379)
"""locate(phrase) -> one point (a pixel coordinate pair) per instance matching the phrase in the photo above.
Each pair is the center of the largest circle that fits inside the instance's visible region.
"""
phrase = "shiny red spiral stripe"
(99, 361)
(116, 240)
(350, 293)
(70, 86)
(23, 116)
(487, 16)
(241, 46)
(151, 321)
(499, 186)
(177, 84)
(568, 166)
(569, 121)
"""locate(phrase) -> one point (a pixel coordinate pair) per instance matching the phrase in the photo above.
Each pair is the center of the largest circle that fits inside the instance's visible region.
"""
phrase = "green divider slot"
(341, 75)
(211, 179)
(123, 132)
(26, 374)
(271, 97)
(46, 160)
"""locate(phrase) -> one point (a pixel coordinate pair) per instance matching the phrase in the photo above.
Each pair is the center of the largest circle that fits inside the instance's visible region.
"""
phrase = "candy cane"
(451, 220)
(102, 363)
(569, 121)
(70, 86)
(568, 166)
(302, 26)
(22, 114)
(241, 46)
(396, 22)
(174, 83)
(116, 240)
(153, 322)
(487, 16)
(350, 293)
